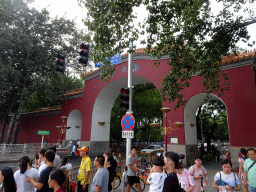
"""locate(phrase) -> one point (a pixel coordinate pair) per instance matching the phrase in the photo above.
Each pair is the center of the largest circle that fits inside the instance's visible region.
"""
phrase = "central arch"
(190, 119)
(104, 102)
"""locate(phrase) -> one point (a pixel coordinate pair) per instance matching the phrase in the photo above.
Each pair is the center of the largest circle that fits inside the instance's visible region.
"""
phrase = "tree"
(53, 92)
(146, 107)
(187, 31)
(30, 42)
(213, 116)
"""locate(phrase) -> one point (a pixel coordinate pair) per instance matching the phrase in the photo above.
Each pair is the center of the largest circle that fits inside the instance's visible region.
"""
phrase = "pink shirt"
(186, 179)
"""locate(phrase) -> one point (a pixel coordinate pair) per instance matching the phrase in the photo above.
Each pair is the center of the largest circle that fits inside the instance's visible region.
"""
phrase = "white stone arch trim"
(103, 106)
(74, 119)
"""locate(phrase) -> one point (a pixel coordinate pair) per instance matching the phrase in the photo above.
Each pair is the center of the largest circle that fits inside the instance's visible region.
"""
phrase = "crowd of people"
(170, 175)
(50, 173)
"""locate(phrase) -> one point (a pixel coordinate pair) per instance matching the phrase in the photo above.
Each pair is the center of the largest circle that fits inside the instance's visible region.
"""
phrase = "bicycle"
(118, 179)
(142, 181)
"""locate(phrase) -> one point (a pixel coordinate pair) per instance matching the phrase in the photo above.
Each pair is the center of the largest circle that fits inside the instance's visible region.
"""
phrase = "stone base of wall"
(98, 148)
(85, 143)
(234, 155)
(190, 151)
(234, 151)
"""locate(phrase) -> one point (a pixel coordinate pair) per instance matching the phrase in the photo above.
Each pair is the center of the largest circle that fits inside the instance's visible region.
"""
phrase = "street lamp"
(201, 119)
(166, 129)
(62, 128)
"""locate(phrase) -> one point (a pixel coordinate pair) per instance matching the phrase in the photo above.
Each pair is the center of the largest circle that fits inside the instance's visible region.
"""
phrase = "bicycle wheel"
(142, 185)
(143, 160)
(117, 182)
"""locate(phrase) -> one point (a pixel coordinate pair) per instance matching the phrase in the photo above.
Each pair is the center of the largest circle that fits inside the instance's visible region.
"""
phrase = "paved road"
(211, 167)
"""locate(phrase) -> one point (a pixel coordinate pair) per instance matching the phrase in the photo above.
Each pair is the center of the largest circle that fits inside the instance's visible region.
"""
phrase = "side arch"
(190, 118)
(75, 122)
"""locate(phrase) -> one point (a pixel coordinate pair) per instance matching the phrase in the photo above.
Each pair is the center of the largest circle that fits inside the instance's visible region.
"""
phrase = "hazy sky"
(74, 11)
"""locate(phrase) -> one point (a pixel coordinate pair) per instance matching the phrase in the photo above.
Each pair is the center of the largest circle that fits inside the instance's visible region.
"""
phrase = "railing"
(74, 173)
(16, 151)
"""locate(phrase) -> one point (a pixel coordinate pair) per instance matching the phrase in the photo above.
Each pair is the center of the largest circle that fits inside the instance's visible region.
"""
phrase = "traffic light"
(61, 63)
(125, 99)
(84, 54)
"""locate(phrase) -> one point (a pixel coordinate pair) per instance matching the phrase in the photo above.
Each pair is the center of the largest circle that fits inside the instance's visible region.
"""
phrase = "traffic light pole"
(130, 74)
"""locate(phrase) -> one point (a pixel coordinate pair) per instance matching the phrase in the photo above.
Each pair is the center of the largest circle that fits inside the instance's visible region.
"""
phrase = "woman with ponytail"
(6, 177)
(23, 173)
(111, 165)
(67, 187)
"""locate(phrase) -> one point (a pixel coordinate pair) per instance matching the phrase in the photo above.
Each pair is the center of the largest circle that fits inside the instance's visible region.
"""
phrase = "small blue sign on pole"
(116, 59)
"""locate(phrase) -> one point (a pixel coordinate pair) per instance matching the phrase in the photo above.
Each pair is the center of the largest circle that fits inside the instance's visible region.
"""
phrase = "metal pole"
(202, 130)
(42, 144)
(165, 132)
(130, 74)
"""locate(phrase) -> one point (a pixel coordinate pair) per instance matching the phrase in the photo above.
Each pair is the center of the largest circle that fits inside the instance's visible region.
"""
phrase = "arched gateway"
(94, 105)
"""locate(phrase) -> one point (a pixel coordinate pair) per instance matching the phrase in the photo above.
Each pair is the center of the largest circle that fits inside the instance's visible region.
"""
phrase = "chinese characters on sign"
(127, 134)
(136, 68)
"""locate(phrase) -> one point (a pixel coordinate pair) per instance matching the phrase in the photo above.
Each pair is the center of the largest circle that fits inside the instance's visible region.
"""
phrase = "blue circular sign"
(127, 122)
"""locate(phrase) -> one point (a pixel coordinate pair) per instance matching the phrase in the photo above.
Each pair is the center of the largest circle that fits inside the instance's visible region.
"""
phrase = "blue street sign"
(116, 59)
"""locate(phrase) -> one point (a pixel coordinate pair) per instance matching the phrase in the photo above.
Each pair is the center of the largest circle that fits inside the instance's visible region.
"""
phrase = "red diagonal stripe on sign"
(127, 122)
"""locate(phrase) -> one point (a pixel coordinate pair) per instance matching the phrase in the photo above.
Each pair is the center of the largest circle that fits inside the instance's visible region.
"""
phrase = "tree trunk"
(3, 127)
(9, 132)
(16, 128)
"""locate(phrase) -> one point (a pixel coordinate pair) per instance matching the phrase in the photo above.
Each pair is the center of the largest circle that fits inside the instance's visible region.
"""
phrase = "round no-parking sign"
(127, 122)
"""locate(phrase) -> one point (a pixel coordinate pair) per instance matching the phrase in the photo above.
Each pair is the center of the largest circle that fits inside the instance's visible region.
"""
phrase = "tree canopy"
(53, 92)
(30, 41)
(187, 31)
(212, 116)
(146, 107)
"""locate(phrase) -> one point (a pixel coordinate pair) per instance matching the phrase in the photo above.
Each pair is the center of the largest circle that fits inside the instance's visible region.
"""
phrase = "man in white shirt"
(56, 162)
(41, 158)
(78, 143)
(73, 153)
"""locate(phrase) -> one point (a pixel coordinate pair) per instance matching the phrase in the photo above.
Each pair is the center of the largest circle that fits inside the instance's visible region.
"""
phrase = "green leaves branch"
(186, 31)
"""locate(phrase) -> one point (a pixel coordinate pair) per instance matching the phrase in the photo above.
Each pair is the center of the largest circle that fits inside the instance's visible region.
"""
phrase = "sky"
(72, 10)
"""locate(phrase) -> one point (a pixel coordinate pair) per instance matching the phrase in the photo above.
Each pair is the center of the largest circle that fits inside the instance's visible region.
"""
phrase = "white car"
(152, 148)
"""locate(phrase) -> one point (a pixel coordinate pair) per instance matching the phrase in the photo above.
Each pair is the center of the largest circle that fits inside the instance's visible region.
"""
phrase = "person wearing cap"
(156, 176)
(84, 171)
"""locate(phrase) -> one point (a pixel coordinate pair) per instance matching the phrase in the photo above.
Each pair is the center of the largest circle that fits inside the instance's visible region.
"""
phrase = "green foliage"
(213, 116)
(53, 92)
(146, 107)
(30, 41)
(187, 31)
